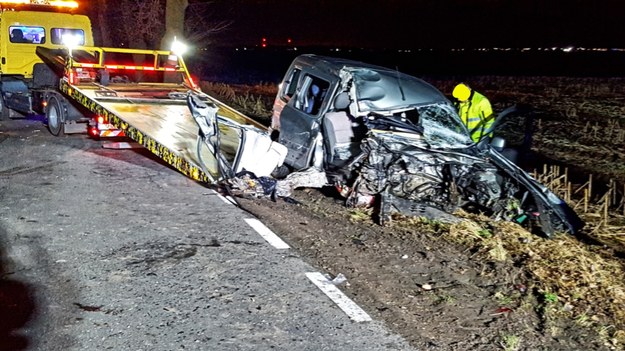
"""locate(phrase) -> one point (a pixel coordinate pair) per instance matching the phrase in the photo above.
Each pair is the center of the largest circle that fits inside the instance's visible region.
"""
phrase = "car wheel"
(55, 116)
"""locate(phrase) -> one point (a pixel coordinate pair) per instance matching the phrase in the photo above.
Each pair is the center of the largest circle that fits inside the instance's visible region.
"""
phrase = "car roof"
(378, 88)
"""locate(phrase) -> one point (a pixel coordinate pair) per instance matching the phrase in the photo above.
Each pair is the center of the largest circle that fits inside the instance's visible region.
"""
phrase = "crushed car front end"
(387, 137)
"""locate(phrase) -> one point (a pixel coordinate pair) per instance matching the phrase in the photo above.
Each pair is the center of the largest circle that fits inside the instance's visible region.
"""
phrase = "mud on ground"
(433, 292)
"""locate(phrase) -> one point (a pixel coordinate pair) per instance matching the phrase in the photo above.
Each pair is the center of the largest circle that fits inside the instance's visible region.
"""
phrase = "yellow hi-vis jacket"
(477, 114)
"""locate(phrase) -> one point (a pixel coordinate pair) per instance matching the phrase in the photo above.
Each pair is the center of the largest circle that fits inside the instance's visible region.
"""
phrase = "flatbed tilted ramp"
(155, 115)
(165, 127)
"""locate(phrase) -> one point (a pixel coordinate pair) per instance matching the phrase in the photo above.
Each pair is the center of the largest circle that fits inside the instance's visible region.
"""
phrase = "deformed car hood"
(378, 89)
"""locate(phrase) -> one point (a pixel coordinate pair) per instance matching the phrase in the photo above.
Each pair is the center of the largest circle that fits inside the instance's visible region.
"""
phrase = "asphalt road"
(112, 250)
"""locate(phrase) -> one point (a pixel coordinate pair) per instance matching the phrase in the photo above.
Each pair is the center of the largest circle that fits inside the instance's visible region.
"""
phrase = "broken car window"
(312, 95)
(290, 85)
(442, 127)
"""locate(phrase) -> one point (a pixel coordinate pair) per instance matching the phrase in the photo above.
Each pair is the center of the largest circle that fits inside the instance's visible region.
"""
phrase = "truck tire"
(55, 115)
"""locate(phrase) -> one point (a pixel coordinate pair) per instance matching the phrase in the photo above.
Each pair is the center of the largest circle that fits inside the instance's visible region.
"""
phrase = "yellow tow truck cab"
(22, 31)
(24, 26)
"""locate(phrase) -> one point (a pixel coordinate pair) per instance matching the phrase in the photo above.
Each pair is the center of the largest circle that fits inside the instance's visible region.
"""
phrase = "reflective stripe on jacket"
(477, 114)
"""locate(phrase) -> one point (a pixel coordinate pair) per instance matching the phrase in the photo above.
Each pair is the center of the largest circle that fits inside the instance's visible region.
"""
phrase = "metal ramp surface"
(163, 126)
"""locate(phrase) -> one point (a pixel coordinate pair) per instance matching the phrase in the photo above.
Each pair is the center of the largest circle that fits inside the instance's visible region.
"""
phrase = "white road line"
(353, 311)
(231, 199)
(267, 234)
(228, 200)
(224, 199)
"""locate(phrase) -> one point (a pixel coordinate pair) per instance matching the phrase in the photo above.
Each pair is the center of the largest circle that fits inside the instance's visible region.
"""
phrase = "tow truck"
(145, 95)
(26, 25)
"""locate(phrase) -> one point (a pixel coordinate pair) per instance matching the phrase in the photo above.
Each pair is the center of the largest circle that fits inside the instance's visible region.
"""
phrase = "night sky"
(423, 23)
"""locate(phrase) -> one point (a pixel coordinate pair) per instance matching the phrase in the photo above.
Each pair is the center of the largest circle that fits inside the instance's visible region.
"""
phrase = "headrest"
(314, 89)
(341, 101)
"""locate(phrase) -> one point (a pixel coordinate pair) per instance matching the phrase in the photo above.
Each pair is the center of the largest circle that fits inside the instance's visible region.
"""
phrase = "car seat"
(311, 100)
(341, 133)
(17, 36)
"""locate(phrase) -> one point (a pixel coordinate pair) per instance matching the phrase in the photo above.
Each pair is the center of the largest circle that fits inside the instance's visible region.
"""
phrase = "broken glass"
(442, 127)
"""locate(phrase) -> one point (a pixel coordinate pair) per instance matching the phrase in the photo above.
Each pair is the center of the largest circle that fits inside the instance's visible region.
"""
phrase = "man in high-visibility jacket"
(475, 111)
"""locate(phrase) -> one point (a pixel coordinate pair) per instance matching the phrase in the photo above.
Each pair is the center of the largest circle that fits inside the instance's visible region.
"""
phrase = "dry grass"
(570, 278)
(255, 101)
(586, 280)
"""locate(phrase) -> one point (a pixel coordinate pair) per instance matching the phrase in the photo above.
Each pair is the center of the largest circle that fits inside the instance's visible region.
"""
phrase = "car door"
(300, 118)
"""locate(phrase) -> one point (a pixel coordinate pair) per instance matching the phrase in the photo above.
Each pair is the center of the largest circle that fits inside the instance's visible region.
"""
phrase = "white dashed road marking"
(348, 306)
(228, 200)
(267, 234)
(231, 200)
(353, 311)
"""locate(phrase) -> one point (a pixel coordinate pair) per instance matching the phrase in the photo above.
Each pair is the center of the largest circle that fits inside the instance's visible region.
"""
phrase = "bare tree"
(174, 21)
(195, 22)
(154, 23)
(201, 23)
(100, 10)
(142, 22)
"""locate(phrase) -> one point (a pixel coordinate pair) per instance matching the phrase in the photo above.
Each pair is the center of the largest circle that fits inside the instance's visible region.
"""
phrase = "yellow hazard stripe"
(185, 167)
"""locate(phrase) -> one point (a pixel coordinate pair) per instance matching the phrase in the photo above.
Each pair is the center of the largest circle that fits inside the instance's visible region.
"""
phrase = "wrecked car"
(393, 141)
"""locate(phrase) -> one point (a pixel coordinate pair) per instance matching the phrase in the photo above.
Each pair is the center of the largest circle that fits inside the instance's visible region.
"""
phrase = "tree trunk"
(104, 34)
(174, 22)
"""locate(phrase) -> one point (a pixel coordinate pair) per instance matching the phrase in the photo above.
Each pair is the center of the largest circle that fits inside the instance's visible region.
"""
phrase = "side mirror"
(498, 143)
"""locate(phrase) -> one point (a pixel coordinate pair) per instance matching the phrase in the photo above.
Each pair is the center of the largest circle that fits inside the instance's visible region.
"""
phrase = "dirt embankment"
(415, 275)
(482, 285)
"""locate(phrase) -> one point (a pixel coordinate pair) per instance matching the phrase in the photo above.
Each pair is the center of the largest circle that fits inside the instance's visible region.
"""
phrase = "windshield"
(442, 127)
(58, 35)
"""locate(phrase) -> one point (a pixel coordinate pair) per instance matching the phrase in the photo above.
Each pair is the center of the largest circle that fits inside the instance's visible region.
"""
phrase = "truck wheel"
(55, 116)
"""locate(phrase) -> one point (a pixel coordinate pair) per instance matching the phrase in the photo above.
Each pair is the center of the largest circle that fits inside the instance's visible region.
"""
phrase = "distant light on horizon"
(566, 49)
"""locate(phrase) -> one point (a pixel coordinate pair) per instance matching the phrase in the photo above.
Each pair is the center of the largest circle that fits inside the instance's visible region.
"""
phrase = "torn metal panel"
(382, 89)
(310, 178)
(256, 152)
(390, 204)
(399, 168)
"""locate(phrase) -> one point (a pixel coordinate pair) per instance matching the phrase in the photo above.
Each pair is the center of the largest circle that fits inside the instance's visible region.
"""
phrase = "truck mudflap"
(98, 129)
(110, 133)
